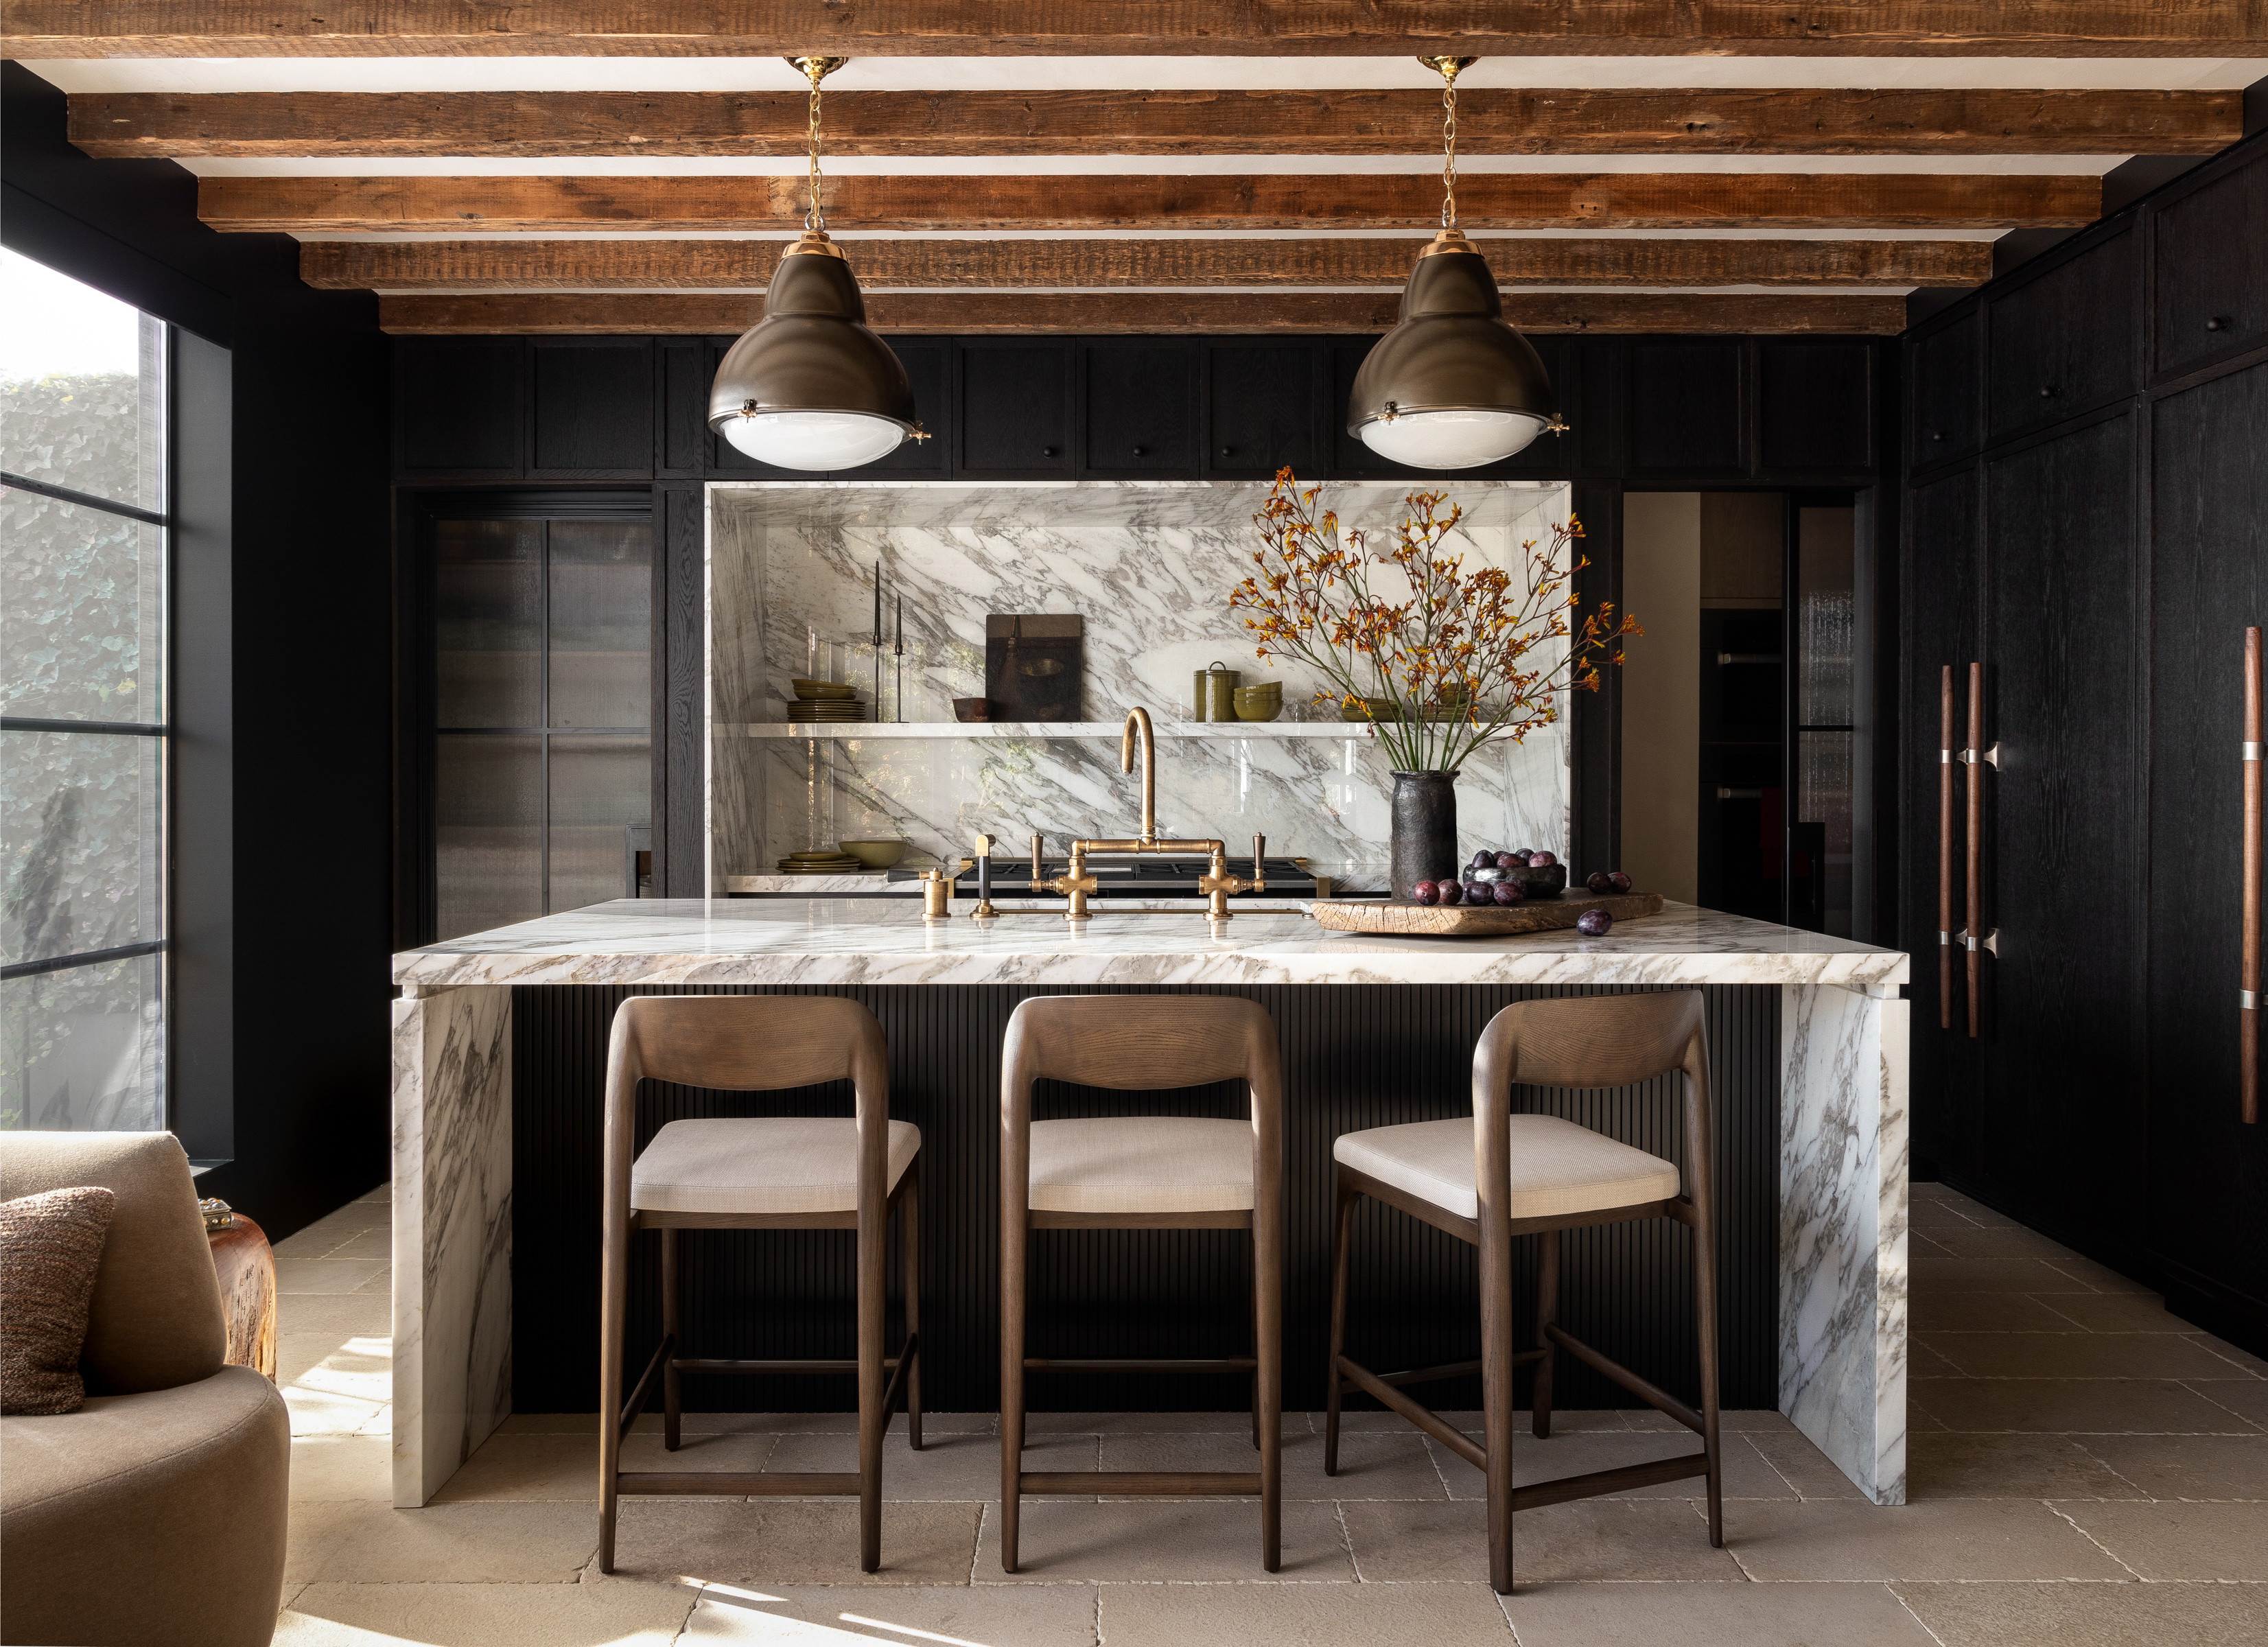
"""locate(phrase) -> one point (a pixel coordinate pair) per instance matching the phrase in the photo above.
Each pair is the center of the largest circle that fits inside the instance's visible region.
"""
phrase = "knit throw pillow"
(50, 1247)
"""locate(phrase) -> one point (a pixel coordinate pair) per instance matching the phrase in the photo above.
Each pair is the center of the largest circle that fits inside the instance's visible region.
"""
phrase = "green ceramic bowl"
(1258, 703)
(875, 854)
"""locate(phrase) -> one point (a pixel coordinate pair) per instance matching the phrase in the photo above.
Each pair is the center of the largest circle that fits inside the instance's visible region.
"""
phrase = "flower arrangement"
(1441, 660)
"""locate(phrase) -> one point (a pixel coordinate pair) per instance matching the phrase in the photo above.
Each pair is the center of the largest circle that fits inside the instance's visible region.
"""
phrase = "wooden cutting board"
(1401, 919)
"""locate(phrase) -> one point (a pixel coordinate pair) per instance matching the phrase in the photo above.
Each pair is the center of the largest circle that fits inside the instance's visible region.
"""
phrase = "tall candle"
(878, 603)
(901, 623)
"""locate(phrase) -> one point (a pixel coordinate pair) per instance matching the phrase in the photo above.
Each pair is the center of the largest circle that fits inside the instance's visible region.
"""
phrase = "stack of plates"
(827, 710)
(820, 862)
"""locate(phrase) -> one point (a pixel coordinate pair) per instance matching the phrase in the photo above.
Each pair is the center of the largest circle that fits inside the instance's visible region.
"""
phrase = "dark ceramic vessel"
(1548, 882)
(1425, 844)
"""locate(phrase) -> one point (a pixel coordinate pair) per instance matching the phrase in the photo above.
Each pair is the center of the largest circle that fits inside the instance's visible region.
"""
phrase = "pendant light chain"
(814, 217)
(1449, 67)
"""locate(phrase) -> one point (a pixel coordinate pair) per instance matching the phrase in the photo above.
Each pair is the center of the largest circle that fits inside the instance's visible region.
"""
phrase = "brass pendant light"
(1452, 387)
(811, 385)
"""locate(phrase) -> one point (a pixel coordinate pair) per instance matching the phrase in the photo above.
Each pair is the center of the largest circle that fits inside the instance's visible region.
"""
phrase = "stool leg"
(1015, 1237)
(909, 1281)
(1342, 1233)
(670, 1332)
(1495, 1401)
(1267, 1267)
(873, 1280)
(1704, 1310)
(1253, 1317)
(1547, 1314)
(614, 1262)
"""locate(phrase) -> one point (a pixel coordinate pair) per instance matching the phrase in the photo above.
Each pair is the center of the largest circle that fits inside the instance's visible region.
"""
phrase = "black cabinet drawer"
(2212, 268)
(457, 402)
(1685, 409)
(1946, 390)
(2066, 341)
(590, 409)
(1261, 411)
(1814, 407)
(1015, 411)
(1141, 409)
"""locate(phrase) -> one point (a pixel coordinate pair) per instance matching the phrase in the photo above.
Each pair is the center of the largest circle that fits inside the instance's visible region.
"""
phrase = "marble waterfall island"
(1809, 1069)
(1149, 566)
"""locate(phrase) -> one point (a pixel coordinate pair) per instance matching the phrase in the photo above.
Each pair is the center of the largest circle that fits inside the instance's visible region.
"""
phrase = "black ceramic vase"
(1424, 829)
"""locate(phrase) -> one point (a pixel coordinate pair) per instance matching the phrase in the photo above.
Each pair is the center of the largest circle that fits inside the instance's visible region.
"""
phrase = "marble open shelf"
(1040, 729)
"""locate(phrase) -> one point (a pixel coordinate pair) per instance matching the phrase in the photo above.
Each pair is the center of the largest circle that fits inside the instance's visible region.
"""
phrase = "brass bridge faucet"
(1217, 883)
(1138, 720)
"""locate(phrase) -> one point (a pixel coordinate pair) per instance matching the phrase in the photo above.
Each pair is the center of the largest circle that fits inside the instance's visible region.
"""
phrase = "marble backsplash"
(1149, 566)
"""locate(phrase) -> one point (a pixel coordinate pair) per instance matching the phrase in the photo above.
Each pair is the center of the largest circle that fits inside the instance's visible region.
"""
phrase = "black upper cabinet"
(1945, 382)
(2212, 268)
(1686, 408)
(1594, 385)
(1015, 411)
(1814, 403)
(590, 409)
(680, 379)
(456, 400)
(929, 371)
(2069, 339)
(1141, 409)
(1261, 411)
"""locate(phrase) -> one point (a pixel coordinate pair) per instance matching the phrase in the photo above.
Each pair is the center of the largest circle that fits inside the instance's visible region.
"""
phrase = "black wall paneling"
(1354, 1056)
(590, 412)
(457, 408)
(1689, 414)
(1797, 381)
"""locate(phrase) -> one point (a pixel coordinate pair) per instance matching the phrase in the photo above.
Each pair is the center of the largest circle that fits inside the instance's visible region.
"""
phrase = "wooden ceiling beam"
(648, 265)
(1558, 121)
(909, 28)
(694, 205)
(1093, 312)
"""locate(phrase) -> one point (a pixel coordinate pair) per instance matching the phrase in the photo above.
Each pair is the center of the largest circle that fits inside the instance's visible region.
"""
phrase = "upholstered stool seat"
(1141, 1164)
(1557, 1167)
(761, 1163)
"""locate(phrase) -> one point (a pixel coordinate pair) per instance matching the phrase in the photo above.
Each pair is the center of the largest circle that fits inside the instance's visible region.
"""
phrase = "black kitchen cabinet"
(682, 369)
(2211, 269)
(2208, 1195)
(928, 371)
(2069, 339)
(1262, 409)
(1814, 407)
(1945, 390)
(1141, 409)
(1016, 411)
(457, 408)
(590, 409)
(1686, 411)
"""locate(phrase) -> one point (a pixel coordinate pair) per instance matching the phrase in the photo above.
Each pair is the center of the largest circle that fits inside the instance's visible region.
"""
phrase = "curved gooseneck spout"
(1138, 718)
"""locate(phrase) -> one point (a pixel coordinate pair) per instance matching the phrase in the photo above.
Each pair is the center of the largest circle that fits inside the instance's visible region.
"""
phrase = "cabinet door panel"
(1261, 411)
(2212, 268)
(2061, 1122)
(1015, 411)
(590, 409)
(2067, 340)
(681, 375)
(458, 400)
(2208, 1192)
(1946, 384)
(1141, 406)
(929, 369)
(1686, 408)
(1814, 404)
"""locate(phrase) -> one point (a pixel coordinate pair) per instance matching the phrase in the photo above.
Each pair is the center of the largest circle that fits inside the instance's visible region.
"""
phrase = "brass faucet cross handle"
(1074, 882)
(1218, 883)
(985, 911)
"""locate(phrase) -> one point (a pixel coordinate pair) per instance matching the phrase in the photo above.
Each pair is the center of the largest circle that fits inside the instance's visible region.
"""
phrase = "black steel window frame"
(420, 913)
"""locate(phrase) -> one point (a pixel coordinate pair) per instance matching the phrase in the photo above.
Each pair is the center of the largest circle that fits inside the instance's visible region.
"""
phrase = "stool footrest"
(737, 1483)
(713, 1364)
(1139, 1484)
(1653, 1394)
(1537, 1493)
(1222, 1364)
(1423, 1417)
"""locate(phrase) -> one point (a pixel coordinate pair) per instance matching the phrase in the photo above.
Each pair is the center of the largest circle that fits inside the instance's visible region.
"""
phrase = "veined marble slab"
(878, 941)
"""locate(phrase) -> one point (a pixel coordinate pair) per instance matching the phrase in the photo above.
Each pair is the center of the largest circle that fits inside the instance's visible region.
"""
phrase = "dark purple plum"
(1507, 860)
(1510, 892)
(1541, 860)
(1594, 923)
(1600, 881)
(1426, 892)
(1482, 859)
(1622, 881)
(1523, 853)
(1449, 892)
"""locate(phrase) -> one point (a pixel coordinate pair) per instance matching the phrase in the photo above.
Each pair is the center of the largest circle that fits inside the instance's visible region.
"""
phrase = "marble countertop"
(843, 941)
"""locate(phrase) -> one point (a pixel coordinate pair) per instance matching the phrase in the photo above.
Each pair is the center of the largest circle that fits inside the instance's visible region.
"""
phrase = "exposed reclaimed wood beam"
(1214, 312)
(648, 265)
(230, 28)
(1558, 121)
(693, 205)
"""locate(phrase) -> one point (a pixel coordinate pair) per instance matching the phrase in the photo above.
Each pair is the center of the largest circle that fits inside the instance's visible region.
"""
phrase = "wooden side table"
(245, 1265)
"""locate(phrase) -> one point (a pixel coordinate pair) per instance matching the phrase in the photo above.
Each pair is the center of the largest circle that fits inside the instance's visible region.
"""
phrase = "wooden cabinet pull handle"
(1945, 723)
(2256, 778)
(1974, 757)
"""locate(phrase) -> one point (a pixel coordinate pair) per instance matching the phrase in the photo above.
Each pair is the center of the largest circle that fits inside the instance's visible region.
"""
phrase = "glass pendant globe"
(814, 441)
(1462, 439)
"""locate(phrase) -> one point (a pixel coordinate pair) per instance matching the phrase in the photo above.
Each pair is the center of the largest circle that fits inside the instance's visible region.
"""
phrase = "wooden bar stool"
(1499, 1175)
(756, 1174)
(1143, 1173)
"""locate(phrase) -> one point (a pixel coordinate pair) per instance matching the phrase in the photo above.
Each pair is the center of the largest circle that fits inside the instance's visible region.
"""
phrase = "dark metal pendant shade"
(813, 352)
(1451, 363)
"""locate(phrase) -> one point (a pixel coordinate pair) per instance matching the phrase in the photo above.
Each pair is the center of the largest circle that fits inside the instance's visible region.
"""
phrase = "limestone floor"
(2087, 1471)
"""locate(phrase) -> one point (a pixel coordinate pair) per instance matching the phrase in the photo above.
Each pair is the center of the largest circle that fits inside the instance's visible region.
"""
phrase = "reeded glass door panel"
(80, 1048)
(81, 387)
(81, 820)
(488, 623)
(600, 587)
(599, 786)
(1826, 713)
(82, 612)
(488, 833)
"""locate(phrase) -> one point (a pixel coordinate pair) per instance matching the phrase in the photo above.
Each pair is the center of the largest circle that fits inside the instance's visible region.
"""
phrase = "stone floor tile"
(2184, 1467)
(1931, 1276)
(488, 1543)
(1999, 1241)
(326, 1275)
(2076, 1356)
(1159, 1540)
(549, 1424)
(1998, 1312)
(1976, 1212)
(1922, 1362)
(2073, 1405)
(1373, 1464)
(1754, 1420)
(526, 1469)
(1797, 1461)
(1563, 1420)
(1955, 1464)
(1928, 1212)
(1713, 1615)
(2243, 1360)
(960, 1468)
(833, 1615)
(380, 1285)
(1930, 1189)
(757, 1542)
(803, 1423)
(2176, 1539)
(339, 1315)
(1946, 1538)
(1747, 1475)
(360, 1368)
(318, 1413)
(2091, 1615)
(486, 1615)
(2246, 1400)
(1146, 1423)
(2116, 1311)
(375, 1242)
(1302, 1615)
(1594, 1539)
(381, 1194)
(342, 1467)
(2095, 1277)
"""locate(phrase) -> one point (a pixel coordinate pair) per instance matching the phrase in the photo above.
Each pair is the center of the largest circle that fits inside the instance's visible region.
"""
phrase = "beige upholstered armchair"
(156, 1514)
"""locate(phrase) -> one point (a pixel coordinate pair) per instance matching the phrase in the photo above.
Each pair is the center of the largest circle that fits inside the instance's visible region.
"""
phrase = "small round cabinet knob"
(1937, 434)
(1141, 451)
(1048, 452)
(1228, 452)
(2220, 323)
(2047, 392)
